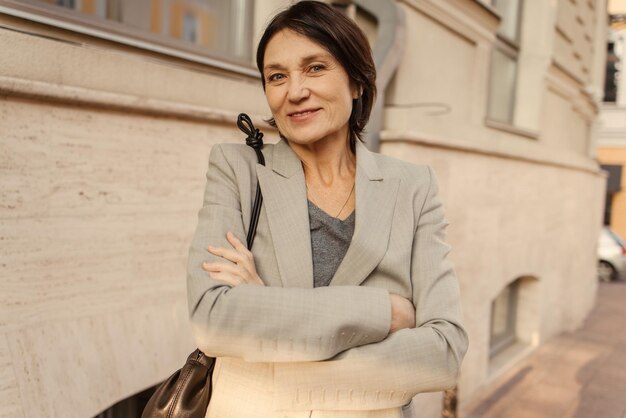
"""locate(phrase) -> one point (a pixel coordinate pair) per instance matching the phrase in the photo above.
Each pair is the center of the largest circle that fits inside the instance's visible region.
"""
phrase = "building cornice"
(469, 18)
(80, 96)
(565, 160)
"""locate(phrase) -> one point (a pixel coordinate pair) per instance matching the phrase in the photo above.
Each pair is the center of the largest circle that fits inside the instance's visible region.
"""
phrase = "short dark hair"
(343, 39)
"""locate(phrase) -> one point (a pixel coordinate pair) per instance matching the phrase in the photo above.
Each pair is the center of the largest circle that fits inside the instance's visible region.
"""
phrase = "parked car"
(611, 256)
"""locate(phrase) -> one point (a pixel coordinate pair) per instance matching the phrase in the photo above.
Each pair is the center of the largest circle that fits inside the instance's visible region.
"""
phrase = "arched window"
(514, 320)
(504, 319)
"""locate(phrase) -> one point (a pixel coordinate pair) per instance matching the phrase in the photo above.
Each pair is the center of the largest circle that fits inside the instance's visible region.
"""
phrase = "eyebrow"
(304, 60)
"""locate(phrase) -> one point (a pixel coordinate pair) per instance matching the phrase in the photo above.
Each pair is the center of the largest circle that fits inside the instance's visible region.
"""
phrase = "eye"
(275, 77)
(316, 68)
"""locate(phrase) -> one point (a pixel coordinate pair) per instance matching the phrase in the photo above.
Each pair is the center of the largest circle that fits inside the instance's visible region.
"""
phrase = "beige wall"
(104, 151)
(574, 34)
(98, 208)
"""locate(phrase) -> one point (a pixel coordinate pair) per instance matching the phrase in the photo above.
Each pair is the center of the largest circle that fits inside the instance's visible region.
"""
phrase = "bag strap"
(254, 140)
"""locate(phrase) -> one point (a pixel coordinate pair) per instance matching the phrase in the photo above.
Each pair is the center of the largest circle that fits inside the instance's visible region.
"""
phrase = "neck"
(325, 162)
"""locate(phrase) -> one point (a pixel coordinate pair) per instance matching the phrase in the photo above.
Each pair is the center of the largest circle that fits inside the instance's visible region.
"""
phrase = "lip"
(303, 114)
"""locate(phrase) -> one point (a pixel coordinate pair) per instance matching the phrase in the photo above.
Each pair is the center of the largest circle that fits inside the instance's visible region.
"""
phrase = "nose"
(297, 89)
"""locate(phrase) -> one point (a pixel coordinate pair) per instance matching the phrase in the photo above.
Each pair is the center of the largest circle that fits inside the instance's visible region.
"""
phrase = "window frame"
(511, 48)
(118, 32)
(518, 24)
(498, 344)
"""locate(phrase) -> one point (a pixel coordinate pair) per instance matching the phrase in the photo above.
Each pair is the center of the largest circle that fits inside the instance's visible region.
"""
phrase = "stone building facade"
(107, 118)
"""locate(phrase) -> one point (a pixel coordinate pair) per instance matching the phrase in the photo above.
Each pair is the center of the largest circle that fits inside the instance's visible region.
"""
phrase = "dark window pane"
(610, 81)
(223, 26)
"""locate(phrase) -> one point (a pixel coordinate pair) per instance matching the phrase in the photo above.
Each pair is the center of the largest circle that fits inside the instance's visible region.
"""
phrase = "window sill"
(527, 133)
(507, 358)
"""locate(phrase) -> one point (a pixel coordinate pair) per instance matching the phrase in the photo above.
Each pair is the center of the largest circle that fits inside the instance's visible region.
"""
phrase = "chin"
(301, 141)
(305, 138)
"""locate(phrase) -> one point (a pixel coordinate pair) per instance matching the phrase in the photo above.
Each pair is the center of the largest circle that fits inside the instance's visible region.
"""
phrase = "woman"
(349, 306)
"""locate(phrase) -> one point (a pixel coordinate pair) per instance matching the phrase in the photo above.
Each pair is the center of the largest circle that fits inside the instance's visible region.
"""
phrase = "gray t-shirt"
(330, 239)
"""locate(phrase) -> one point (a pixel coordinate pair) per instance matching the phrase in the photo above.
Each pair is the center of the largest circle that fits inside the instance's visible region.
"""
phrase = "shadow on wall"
(131, 407)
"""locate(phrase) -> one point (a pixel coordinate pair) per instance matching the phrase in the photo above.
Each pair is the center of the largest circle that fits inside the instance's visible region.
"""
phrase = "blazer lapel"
(375, 204)
(284, 197)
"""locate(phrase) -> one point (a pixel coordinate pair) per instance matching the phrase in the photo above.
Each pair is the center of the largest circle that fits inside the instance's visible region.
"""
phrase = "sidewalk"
(576, 375)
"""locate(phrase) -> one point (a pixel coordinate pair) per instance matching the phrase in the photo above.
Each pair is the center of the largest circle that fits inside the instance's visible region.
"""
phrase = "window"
(215, 28)
(504, 62)
(613, 186)
(190, 28)
(610, 80)
(503, 319)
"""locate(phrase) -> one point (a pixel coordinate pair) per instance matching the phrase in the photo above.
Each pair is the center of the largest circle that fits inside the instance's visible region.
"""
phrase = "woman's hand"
(402, 313)
(243, 271)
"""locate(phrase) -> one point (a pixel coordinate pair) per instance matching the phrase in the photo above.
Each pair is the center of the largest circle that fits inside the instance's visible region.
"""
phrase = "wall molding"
(80, 96)
(569, 162)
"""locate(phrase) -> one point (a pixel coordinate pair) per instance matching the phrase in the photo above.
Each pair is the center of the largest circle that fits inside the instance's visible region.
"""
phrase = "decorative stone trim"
(80, 96)
(571, 162)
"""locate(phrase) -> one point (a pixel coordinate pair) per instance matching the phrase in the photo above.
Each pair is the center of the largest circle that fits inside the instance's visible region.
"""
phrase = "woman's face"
(308, 91)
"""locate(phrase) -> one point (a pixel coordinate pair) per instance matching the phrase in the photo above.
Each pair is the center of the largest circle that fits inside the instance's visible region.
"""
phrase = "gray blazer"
(289, 349)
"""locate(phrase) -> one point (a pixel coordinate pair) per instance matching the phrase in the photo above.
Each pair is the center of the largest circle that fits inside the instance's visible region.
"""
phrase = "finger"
(234, 241)
(231, 269)
(238, 245)
(238, 273)
(229, 254)
(210, 267)
(241, 269)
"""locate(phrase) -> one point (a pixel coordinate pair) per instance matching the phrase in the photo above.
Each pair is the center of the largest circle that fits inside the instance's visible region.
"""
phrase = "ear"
(357, 91)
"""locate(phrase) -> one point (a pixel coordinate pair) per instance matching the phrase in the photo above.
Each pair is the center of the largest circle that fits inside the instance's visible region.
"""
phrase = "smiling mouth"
(303, 113)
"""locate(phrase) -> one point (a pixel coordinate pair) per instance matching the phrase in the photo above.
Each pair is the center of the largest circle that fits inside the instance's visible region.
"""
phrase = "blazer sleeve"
(269, 324)
(389, 373)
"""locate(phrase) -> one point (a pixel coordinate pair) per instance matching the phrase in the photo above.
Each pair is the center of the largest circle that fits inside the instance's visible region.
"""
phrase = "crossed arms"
(337, 334)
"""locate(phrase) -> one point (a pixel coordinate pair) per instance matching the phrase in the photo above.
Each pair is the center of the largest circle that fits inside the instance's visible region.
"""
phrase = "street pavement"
(576, 375)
